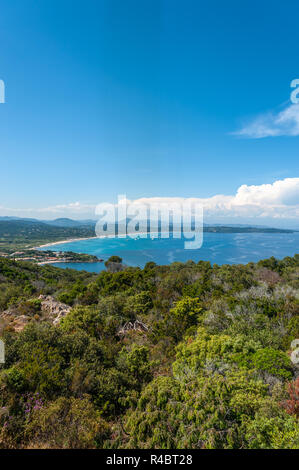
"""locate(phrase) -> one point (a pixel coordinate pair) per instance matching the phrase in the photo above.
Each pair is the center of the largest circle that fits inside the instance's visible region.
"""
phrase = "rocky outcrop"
(13, 320)
(53, 309)
(50, 310)
(137, 325)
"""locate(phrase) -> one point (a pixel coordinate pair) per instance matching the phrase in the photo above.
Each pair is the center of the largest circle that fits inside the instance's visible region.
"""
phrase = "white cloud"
(265, 203)
(279, 200)
(281, 192)
(284, 123)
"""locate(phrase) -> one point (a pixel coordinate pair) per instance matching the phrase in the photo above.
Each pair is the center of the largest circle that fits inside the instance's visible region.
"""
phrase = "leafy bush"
(66, 423)
(274, 362)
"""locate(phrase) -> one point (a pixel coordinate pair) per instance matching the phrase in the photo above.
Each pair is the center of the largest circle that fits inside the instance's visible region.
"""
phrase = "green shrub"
(67, 423)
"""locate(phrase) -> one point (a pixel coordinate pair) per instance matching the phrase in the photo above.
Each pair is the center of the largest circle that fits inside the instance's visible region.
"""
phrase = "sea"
(219, 248)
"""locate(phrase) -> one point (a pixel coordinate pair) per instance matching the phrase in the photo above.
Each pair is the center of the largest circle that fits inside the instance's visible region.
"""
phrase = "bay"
(219, 248)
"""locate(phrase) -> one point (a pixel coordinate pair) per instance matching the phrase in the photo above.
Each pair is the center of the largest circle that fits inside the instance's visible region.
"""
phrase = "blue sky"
(147, 98)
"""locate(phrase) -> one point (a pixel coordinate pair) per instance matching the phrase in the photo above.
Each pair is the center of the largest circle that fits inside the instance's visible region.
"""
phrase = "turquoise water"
(220, 248)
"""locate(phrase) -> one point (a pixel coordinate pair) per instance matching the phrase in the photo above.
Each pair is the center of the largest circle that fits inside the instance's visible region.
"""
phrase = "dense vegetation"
(19, 234)
(180, 356)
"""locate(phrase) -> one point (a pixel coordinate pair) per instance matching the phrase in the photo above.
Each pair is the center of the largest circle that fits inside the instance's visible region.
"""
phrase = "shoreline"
(70, 240)
(66, 262)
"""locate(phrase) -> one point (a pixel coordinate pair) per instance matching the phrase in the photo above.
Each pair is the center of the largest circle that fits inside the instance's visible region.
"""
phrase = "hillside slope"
(180, 356)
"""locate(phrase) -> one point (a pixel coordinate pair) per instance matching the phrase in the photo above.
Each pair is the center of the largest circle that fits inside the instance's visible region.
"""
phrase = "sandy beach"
(70, 240)
(53, 262)
(67, 261)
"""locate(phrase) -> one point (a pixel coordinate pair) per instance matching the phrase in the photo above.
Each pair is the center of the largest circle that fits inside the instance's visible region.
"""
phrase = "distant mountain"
(89, 224)
(61, 222)
(28, 228)
(238, 226)
(65, 222)
(9, 218)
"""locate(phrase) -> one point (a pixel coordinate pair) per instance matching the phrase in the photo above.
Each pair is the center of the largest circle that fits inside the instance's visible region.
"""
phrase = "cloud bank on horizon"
(283, 123)
(277, 202)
